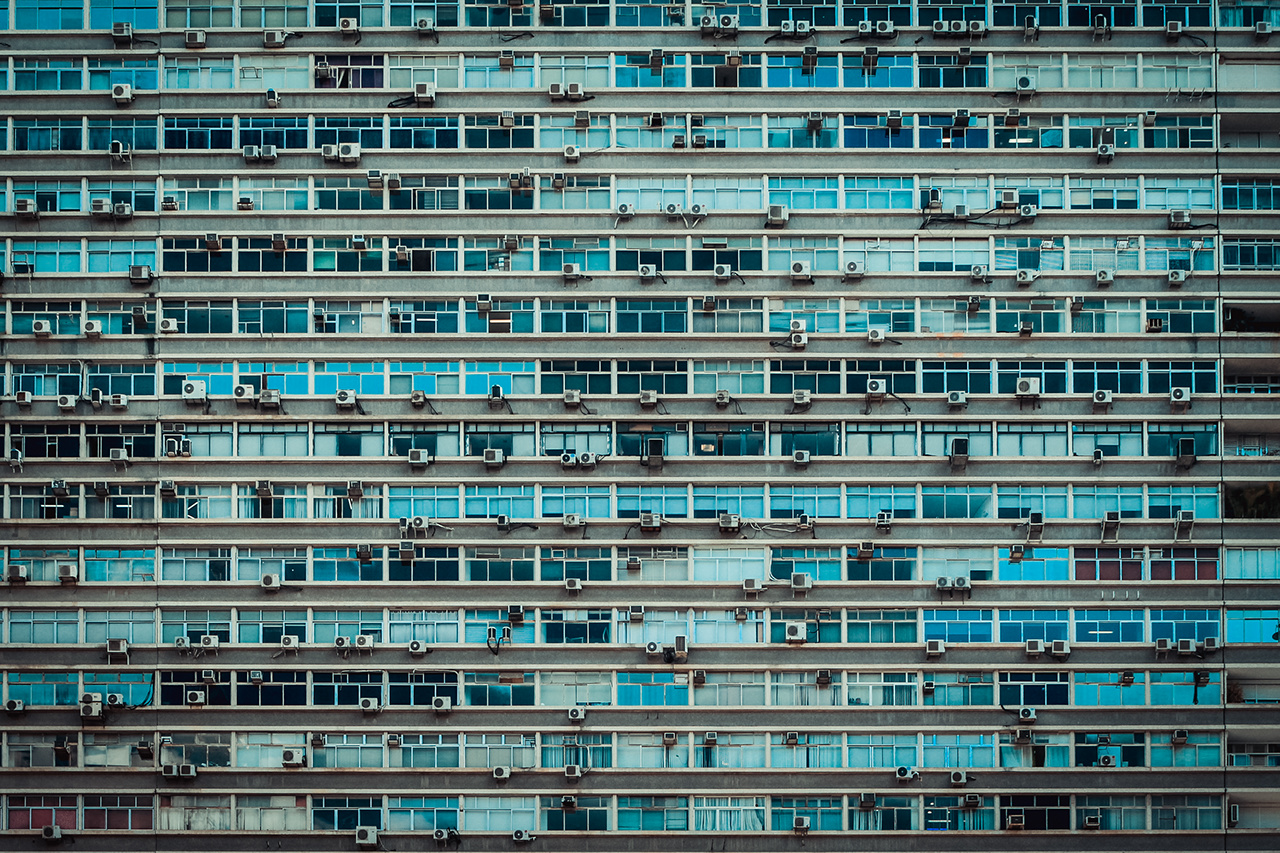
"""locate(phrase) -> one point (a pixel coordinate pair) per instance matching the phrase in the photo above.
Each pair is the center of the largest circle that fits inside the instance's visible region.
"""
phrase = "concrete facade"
(637, 426)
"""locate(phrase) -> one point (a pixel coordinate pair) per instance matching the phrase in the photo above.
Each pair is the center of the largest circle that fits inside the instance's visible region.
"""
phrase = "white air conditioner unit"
(294, 757)
(1177, 276)
(730, 522)
(345, 399)
(1025, 85)
(1106, 152)
(957, 398)
(194, 39)
(348, 152)
(980, 272)
(1179, 396)
(122, 93)
(1026, 276)
(1027, 386)
(875, 336)
(778, 214)
(1027, 715)
(625, 211)
(366, 836)
(801, 271)
(853, 269)
(797, 633)
(494, 457)
(934, 648)
(723, 272)
(801, 581)
(140, 274)
(194, 391)
(196, 697)
(67, 402)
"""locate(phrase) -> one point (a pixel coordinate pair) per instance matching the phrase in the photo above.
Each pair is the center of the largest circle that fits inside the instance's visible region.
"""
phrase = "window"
(1127, 688)
(958, 626)
(1110, 626)
(653, 688)
(976, 750)
(1033, 688)
(728, 814)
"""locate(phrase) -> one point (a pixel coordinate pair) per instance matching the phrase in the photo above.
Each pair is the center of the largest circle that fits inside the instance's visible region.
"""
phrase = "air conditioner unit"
(1035, 648)
(980, 272)
(572, 272)
(778, 214)
(1015, 821)
(348, 152)
(801, 271)
(1177, 276)
(935, 648)
(345, 399)
(801, 581)
(169, 326)
(209, 642)
(573, 521)
(1106, 761)
(1106, 152)
(800, 458)
(1025, 85)
(196, 697)
(1027, 715)
(1027, 386)
(68, 573)
(1179, 396)
(139, 274)
(959, 778)
(1027, 276)
(730, 522)
(194, 391)
(853, 269)
(905, 774)
(723, 272)
(122, 93)
(957, 398)
(800, 824)
(796, 633)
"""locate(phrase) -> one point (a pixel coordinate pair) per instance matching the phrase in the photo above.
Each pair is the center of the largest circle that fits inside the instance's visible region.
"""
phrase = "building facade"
(638, 426)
